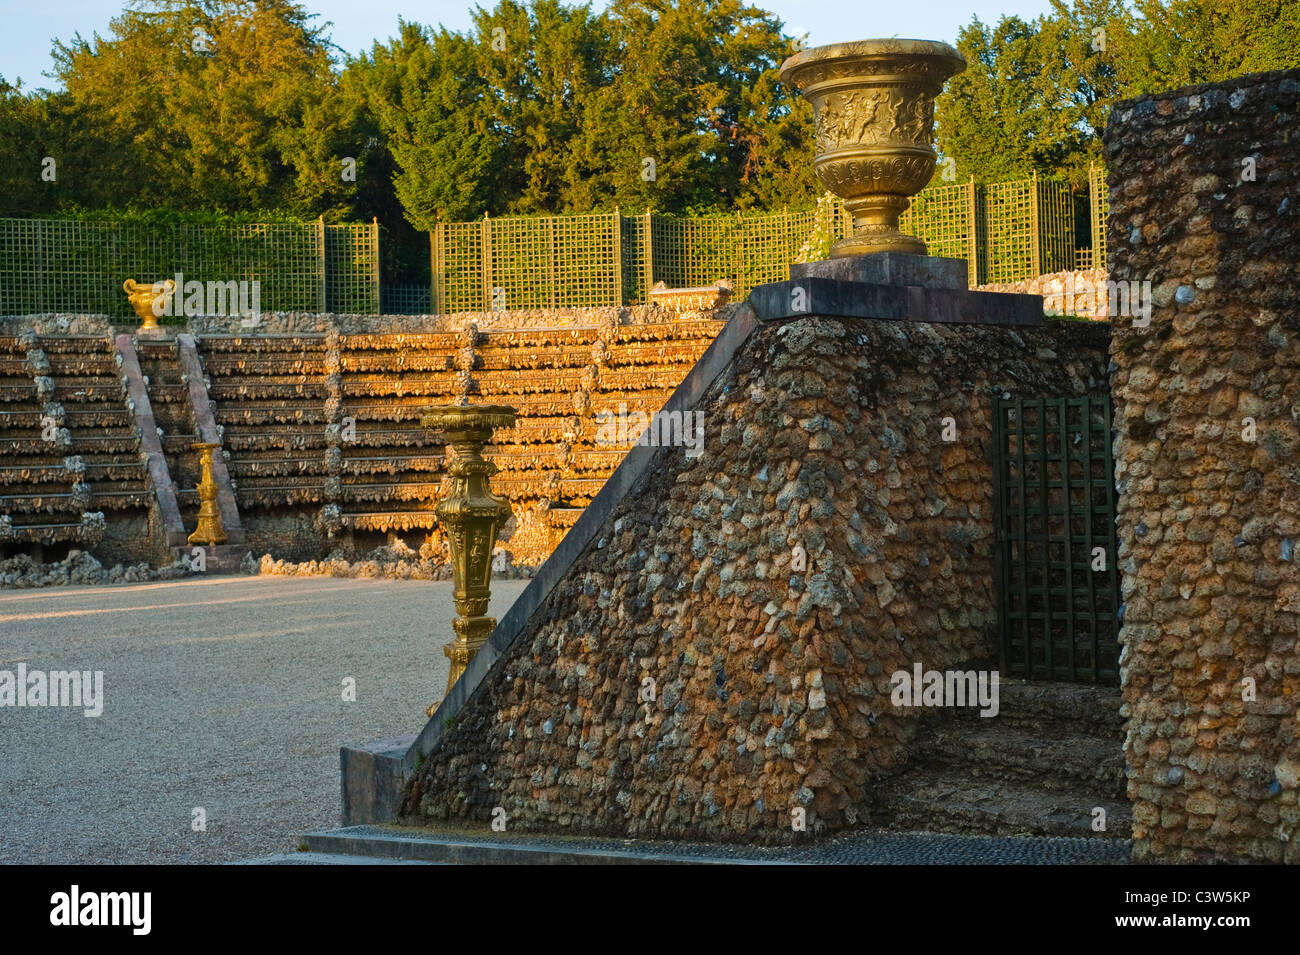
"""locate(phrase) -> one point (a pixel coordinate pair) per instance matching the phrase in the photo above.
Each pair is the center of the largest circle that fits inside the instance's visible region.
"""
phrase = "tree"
(1177, 43)
(543, 66)
(1035, 95)
(429, 101)
(202, 105)
(988, 117)
(692, 95)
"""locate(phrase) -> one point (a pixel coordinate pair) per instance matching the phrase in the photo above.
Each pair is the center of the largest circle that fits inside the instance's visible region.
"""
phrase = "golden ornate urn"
(472, 516)
(873, 112)
(149, 300)
(209, 529)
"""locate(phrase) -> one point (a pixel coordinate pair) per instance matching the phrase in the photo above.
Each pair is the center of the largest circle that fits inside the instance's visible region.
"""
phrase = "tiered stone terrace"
(331, 420)
(70, 461)
(319, 423)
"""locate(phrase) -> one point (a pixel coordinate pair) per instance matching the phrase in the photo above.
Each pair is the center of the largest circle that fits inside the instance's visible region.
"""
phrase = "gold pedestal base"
(471, 516)
(875, 227)
(471, 634)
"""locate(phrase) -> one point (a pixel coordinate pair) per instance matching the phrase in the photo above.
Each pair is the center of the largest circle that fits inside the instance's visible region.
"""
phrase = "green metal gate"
(1058, 586)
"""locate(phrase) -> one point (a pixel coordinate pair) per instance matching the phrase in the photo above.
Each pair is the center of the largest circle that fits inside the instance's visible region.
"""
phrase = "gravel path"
(220, 693)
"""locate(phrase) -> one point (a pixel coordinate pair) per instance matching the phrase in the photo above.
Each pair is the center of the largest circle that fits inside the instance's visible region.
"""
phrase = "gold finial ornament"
(209, 530)
(149, 299)
(873, 115)
(472, 516)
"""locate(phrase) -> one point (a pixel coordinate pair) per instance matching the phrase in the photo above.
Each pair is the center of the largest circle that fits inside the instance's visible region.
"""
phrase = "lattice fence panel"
(352, 269)
(767, 246)
(522, 263)
(406, 300)
(1055, 226)
(1009, 223)
(1054, 506)
(634, 245)
(668, 244)
(53, 265)
(586, 261)
(458, 267)
(1099, 195)
(940, 217)
(709, 250)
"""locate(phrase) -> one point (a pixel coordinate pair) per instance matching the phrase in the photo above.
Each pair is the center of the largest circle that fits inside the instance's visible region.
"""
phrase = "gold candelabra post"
(209, 530)
(472, 516)
(145, 298)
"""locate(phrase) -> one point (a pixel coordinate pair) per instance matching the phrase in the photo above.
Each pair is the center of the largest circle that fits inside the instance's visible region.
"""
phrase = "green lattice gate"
(1058, 586)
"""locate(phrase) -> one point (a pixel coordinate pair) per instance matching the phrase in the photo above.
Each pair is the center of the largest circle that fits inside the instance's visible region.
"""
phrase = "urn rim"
(862, 51)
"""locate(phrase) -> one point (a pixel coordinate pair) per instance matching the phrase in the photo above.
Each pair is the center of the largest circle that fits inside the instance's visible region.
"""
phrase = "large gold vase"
(149, 300)
(472, 516)
(873, 110)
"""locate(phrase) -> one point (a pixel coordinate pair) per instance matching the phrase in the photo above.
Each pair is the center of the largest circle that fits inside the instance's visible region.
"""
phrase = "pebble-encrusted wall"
(1081, 292)
(688, 677)
(1205, 185)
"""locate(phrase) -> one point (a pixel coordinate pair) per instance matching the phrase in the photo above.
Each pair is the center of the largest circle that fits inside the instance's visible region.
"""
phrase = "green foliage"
(549, 108)
(692, 87)
(1035, 95)
(1183, 42)
(426, 96)
(204, 105)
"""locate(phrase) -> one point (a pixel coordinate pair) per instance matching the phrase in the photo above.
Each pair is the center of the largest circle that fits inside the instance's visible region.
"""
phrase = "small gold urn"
(149, 300)
(209, 530)
(873, 114)
(472, 516)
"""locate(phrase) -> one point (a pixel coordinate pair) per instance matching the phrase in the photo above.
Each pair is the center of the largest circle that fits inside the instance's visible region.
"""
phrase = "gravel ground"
(219, 693)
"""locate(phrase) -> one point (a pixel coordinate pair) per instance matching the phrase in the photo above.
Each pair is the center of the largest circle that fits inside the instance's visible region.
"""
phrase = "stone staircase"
(169, 401)
(1052, 755)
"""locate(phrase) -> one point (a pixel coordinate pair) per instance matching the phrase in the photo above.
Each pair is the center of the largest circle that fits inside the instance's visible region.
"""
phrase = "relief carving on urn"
(873, 115)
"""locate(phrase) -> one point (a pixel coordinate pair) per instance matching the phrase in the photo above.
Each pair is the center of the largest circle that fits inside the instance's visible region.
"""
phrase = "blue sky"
(29, 28)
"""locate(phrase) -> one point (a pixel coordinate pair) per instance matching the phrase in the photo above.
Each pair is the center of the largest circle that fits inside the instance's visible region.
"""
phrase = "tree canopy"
(1035, 95)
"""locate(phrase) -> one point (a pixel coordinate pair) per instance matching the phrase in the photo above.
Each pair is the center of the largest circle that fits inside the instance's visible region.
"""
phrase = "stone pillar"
(1206, 351)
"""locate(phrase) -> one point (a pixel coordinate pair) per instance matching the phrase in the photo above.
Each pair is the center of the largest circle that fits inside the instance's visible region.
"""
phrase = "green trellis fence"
(1006, 231)
(73, 266)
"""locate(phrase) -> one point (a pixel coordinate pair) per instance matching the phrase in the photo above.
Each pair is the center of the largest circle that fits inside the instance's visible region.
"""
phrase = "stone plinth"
(894, 286)
(889, 268)
(833, 298)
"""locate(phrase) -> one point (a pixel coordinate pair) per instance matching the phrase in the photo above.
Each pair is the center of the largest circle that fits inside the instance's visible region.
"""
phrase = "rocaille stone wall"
(1205, 184)
(771, 685)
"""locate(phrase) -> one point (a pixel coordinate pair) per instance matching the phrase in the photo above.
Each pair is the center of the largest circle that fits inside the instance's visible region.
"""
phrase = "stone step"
(327, 858)
(939, 800)
(478, 845)
(1054, 709)
(990, 750)
(221, 559)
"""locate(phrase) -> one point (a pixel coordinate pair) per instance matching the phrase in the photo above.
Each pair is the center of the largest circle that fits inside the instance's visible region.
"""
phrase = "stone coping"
(836, 298)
